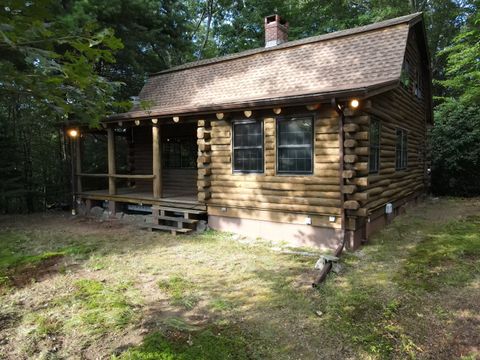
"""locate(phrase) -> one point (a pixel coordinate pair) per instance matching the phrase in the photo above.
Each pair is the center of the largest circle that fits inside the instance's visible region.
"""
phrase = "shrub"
(455, 141)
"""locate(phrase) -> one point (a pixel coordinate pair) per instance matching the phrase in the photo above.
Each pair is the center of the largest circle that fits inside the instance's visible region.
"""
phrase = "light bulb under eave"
(73, 133)
(354, 103)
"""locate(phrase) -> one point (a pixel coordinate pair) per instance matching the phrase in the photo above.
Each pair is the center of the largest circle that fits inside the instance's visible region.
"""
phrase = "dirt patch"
(38, 272)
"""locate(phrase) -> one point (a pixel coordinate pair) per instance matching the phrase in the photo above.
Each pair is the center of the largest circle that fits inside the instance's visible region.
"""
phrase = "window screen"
(179, 153)
(248, 146)
(294, 145)
(374, 159)
(401, 150)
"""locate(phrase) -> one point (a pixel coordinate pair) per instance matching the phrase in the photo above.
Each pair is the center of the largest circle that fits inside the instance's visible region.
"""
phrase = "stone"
(96, 211)
(201, 226)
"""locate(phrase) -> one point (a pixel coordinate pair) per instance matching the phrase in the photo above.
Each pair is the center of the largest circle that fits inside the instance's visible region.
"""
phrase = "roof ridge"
(308, 40)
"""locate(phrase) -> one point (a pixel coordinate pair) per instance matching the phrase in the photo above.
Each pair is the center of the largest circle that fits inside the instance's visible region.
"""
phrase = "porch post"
(157, 162)
(112, 188)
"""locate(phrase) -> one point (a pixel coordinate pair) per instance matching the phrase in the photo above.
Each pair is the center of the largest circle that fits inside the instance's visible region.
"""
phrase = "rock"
(318, 313)
(82, 209)
(201, 226)
(105, 215)
(96, 211)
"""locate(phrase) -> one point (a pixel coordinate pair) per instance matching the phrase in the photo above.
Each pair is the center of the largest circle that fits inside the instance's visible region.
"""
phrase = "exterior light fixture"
(73, 133)
(313, 107)
(137, 122)
(354, 103)
(154, 121)
(176, 119)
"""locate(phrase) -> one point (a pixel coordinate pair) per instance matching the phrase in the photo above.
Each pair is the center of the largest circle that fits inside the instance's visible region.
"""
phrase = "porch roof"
(360, 61)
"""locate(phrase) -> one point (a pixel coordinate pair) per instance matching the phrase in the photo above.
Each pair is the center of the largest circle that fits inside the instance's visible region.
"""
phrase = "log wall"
(398, 108)
(268, 196)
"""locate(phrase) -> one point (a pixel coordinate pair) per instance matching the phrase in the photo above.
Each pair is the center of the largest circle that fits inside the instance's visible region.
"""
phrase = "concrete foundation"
(292, 234)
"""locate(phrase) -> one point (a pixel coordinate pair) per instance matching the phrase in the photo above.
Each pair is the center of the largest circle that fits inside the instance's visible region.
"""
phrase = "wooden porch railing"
(112, 175)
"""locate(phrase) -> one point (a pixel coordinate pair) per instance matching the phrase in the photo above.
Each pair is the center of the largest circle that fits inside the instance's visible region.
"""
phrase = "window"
(248, 146)
(374, 159)
(179, 153)
(418, 85)
(295, 145)
(401, 150)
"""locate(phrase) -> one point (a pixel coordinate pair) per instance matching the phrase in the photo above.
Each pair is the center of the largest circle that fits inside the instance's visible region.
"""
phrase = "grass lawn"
(82, 289)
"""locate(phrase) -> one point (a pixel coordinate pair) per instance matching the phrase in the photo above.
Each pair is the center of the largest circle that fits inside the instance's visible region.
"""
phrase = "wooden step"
(179, 210)
(172, 229)
(177, 219)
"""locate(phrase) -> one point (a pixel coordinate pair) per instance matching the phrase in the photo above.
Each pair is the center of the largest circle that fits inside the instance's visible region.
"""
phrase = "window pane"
(179, 153)
(248, 147)
(248, 160)
(249, 134)
(374, 158)
(401, 149)
(295, 132)
(295, 160)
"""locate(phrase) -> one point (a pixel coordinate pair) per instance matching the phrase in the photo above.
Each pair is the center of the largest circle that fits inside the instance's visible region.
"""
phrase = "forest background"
(85, 59)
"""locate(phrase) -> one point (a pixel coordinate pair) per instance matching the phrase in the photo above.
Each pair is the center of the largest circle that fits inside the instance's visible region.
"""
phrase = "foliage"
(48, 70)
(455, 151)
(154, 35)
(49, 65)
(463, 65)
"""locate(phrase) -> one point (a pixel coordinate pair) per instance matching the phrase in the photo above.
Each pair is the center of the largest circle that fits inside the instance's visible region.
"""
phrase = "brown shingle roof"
(348, 61)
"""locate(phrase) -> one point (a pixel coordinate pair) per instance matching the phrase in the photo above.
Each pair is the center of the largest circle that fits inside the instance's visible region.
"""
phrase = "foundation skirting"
(292, 234)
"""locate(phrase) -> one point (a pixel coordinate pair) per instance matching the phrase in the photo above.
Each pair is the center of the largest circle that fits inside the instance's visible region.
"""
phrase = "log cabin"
(311, 142)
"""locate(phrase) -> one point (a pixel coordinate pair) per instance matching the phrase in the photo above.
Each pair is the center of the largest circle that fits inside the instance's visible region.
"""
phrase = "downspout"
(338, 251)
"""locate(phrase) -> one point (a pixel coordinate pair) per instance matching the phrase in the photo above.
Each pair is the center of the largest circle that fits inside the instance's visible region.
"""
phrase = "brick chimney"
(276, 30)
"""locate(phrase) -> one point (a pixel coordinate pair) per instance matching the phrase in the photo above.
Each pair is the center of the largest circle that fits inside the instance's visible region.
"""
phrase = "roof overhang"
(304, 99)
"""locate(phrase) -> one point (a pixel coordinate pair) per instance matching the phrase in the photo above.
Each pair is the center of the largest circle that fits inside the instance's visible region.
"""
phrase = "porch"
(132, 196)
(147, 164)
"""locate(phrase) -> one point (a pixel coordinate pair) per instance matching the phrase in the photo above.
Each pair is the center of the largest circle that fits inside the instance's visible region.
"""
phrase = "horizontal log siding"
(400, 108)
(278, 197)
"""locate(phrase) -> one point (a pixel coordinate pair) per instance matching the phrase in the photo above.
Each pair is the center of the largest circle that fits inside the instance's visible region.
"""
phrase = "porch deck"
(135, 196)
